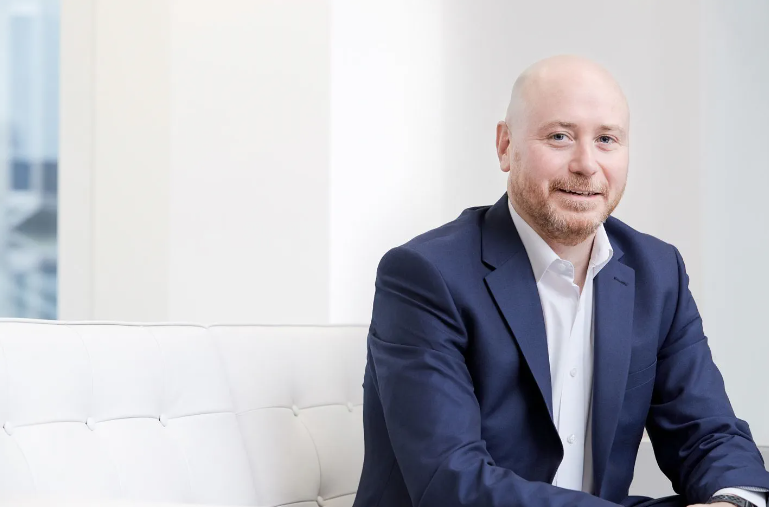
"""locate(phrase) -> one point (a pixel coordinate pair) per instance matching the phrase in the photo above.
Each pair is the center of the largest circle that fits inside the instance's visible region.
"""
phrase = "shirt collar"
(541, 256)
(602, 250)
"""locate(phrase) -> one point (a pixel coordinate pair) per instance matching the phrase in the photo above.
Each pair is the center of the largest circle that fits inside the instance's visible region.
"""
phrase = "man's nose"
(584, 161)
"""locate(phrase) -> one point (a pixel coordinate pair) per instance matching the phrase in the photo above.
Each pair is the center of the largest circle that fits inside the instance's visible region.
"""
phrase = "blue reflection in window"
(29, 119)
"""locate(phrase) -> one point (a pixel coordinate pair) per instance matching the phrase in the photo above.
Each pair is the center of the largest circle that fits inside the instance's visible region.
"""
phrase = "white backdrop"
(251, 160)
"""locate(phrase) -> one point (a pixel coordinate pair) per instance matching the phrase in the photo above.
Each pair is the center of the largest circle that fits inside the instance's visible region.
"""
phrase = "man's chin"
(582, 220)
(572, 228)
(580, 212)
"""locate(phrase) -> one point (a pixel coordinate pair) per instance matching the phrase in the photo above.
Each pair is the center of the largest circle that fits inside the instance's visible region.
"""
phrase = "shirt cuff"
(754, 497)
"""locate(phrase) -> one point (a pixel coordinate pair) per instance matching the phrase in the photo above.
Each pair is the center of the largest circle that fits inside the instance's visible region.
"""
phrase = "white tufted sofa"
(227, 415)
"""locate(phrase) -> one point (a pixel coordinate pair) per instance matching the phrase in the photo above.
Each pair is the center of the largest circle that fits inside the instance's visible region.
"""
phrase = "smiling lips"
(581, 193)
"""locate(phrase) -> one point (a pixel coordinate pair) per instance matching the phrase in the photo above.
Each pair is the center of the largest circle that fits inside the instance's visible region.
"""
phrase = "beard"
(571, 223)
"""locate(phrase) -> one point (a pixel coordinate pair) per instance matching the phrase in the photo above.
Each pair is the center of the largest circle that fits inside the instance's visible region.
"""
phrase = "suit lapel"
(517, 298)
(613, 325)
(513, 287)
(514, 290)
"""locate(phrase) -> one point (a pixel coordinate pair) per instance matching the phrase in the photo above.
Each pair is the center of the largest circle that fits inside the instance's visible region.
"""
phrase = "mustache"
(578, 185)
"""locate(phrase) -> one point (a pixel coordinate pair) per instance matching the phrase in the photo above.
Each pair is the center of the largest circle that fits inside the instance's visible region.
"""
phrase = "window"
(19, 175)
(29, 118)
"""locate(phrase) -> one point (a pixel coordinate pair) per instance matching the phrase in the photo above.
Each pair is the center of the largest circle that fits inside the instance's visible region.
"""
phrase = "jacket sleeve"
(417, 344)
(699, 443)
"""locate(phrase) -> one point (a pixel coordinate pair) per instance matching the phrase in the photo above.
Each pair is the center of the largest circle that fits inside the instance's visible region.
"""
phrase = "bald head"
(564, 143)
(553, 77)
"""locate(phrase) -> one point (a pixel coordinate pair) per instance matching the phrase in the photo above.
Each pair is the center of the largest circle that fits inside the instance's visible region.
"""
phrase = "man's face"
(568, 157)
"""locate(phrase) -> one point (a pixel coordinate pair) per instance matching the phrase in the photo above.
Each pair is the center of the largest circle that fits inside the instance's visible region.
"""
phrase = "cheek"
(616, 176)
(544, 165)
(615, 167)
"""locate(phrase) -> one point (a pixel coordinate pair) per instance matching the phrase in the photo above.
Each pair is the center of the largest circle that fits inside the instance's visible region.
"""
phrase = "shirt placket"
(566, 387)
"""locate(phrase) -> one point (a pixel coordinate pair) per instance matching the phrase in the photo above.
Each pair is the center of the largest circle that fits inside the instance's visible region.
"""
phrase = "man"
(516, 354)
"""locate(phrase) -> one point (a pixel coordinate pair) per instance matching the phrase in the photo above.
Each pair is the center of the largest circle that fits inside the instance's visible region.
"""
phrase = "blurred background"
(251, 160)
(29, 148)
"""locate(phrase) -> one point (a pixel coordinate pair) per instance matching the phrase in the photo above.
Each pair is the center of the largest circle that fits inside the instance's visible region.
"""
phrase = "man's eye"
(606, 139)
(558, 137)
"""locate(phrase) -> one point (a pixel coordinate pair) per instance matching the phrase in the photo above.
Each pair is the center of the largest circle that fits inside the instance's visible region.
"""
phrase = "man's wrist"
(735, 500)
(756, 496)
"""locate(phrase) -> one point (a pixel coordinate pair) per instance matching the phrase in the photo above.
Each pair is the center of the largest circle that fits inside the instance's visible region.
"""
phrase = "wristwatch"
(732, 499)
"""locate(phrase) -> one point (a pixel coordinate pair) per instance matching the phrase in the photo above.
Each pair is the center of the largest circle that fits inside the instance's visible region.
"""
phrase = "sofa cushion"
(241, 415)
(304, 434)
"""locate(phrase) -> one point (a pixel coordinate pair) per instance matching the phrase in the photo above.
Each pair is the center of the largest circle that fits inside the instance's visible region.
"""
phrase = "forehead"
(583, 100)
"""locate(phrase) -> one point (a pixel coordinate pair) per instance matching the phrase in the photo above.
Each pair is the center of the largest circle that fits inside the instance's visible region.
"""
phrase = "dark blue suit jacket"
(457, 403)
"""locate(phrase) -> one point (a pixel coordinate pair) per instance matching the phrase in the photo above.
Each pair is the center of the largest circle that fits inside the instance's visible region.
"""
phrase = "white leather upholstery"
(245, 415)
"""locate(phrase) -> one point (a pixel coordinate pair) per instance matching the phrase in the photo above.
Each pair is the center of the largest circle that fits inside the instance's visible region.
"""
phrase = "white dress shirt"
(568, 315)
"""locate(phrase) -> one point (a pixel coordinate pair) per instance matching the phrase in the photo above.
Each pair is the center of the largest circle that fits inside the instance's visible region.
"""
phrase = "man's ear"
(503, 145)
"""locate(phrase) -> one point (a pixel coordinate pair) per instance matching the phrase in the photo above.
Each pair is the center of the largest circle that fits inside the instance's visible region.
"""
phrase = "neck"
(578, 255)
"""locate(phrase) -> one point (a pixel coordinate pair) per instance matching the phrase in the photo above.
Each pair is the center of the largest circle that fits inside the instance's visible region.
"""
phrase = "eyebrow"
(562, 124)
(573, 126)
(612, 128)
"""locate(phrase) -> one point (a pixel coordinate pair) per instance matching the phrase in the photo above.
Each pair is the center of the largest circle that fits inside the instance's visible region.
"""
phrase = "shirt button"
(573, 372)
(571, 439)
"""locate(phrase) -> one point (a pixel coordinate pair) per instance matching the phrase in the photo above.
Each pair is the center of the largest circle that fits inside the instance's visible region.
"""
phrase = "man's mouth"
(584, 193)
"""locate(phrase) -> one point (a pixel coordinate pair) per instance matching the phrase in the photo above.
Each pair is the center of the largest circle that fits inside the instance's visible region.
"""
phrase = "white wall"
(249, 172)
(251, 160)
(194, 160)
(388, 164)
(114, 160)
(734, 215)
(75, 228)
(131, 157)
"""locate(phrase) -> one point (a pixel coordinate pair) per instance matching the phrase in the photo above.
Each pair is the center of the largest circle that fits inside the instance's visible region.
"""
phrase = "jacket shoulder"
(641, 250)
(451, 243)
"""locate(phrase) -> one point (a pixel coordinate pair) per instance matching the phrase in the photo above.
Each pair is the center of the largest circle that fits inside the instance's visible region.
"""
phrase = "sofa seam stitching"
(163, 401)
(90, 410)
